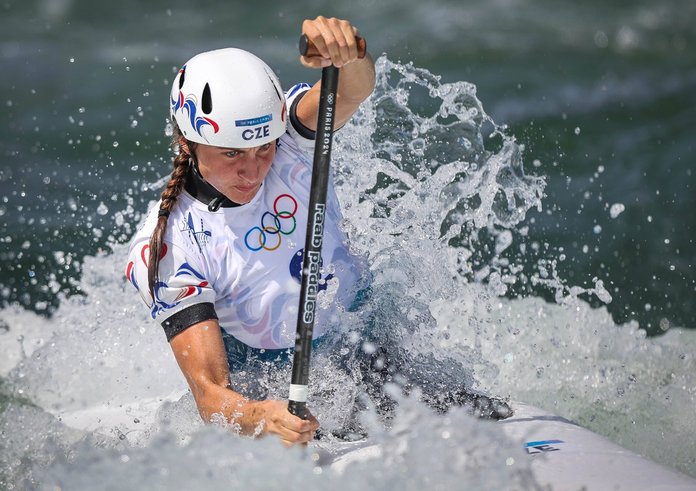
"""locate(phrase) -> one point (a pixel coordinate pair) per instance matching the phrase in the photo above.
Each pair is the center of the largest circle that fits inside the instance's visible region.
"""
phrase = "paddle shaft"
(311, 264)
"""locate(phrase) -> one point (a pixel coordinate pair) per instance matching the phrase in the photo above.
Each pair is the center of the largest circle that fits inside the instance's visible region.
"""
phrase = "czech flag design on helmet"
(228, 98)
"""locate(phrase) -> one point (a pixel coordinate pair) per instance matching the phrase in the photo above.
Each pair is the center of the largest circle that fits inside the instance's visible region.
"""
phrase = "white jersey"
(243, 264)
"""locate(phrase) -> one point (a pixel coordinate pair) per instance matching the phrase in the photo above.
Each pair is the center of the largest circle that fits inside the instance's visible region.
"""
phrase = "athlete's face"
(236, 172)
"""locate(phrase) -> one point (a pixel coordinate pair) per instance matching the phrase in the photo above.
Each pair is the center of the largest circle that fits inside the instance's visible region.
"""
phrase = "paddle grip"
(309, 49)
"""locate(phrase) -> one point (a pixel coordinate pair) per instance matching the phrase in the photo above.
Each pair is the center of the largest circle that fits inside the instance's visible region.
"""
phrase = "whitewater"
(436, 197)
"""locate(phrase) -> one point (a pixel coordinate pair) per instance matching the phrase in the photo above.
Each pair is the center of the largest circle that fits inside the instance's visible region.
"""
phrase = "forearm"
(200, 353)
(356, 80)
(335, 43)
(217, 403)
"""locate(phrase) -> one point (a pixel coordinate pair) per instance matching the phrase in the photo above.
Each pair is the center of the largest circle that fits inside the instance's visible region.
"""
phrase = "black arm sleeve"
(184, 319)
(296, 123)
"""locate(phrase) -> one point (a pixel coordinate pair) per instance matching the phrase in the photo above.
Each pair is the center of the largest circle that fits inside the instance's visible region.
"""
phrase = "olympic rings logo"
(282, 222)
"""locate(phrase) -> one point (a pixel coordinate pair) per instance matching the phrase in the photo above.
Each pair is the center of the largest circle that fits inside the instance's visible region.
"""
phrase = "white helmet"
(228, 98)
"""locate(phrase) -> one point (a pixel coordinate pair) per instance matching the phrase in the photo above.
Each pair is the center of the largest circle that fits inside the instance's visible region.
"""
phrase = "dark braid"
(169, 196)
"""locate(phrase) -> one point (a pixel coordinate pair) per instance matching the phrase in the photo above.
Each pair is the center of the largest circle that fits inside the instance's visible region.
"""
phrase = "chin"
(244, 198)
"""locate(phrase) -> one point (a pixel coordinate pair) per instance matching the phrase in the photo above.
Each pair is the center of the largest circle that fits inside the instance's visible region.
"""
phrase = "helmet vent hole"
(274, 87)
(207, 101)
(181, 78)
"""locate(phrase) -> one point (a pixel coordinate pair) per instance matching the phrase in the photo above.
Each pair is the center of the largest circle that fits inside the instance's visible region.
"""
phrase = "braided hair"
(168, 199)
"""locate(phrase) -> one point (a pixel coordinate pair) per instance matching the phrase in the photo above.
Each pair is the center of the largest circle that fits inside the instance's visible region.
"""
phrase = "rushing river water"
(522, 192)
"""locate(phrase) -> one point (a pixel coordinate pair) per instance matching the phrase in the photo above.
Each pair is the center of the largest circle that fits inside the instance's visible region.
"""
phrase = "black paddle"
(311, 264)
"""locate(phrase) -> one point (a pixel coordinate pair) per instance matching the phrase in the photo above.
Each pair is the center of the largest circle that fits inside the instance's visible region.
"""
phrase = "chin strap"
(216, 203)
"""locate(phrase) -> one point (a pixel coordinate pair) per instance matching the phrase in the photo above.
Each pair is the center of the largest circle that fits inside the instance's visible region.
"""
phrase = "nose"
(249, 173)
(250, 170)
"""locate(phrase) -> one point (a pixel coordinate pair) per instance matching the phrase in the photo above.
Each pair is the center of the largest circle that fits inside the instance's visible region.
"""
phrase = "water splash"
(435, 197)
(432, 213)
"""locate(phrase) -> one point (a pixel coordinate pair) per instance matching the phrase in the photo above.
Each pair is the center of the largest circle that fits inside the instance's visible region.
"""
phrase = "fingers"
(351, 47)
(291, 429)
(334, 39)
(295, 430)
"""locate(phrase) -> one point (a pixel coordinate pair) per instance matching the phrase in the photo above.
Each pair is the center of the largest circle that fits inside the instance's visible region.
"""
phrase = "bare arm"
(335, 40)
(200, 353)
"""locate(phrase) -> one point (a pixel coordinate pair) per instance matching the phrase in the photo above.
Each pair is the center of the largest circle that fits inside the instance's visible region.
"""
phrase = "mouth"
(247, 189)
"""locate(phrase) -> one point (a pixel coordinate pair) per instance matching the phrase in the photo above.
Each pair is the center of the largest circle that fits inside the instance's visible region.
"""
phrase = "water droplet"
(616, 209)
(601, 40)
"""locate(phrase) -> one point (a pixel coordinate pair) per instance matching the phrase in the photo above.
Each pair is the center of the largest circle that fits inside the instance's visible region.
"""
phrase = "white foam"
(101, 365)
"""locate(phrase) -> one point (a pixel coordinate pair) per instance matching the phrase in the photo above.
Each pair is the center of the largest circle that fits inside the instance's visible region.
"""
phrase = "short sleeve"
(299, 132)
(182, 292)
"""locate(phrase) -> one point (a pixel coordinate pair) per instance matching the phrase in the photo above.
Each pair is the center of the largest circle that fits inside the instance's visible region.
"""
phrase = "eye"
(232, 153)
(265, 148)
